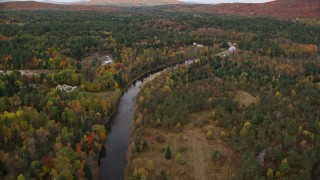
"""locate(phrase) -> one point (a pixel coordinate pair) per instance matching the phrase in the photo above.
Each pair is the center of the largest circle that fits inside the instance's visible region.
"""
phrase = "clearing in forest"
(245, 99)
(196, 150)
(89, 61)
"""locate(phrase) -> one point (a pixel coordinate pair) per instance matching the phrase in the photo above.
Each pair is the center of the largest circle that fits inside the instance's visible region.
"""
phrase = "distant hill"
(281, 9)
(12, 4)
(32, 5)
(131, 2)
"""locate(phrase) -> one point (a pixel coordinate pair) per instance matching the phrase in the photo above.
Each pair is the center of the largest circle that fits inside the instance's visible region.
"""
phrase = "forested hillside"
(280, 9)
(262, 101)
(269, 115)
(47, 132)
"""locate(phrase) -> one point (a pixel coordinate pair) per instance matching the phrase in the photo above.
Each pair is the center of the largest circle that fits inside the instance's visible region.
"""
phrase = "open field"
(190, 141)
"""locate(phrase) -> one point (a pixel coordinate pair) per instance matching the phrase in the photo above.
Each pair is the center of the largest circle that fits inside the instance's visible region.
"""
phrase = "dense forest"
(49, 133)
(282, 126)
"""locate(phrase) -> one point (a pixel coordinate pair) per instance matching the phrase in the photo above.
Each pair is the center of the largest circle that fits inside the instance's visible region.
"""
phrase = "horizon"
(185, 1)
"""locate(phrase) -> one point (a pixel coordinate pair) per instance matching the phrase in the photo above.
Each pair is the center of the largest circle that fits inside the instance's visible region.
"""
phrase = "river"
(114, 160)
(113, 156)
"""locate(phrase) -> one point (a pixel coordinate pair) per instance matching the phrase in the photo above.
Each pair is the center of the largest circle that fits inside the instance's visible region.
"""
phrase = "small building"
(232, 50)
(66, 88)
(106, 61)
(198, 45)
(188, 62)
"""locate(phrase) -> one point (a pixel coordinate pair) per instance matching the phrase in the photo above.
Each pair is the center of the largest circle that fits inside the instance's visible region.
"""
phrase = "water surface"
(114, 159)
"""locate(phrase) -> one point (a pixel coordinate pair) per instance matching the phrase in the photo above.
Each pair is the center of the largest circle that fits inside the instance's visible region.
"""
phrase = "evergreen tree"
(87, 171)
(168, 153)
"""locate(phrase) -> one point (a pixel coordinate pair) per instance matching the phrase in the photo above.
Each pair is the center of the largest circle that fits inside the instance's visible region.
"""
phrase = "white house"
(66, 88)
(198, 45)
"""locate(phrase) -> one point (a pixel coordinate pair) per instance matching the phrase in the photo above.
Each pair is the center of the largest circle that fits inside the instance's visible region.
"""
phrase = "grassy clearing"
(195, 150)
(245, 99)
(88, 61)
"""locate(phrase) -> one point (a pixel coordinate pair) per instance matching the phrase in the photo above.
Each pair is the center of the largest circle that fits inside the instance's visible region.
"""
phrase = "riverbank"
(116, 125)
(193, 139)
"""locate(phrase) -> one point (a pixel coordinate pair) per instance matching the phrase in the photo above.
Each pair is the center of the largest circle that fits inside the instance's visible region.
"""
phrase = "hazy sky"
(194, 1)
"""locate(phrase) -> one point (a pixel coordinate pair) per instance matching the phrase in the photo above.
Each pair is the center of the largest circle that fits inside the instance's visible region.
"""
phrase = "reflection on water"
(114, 151)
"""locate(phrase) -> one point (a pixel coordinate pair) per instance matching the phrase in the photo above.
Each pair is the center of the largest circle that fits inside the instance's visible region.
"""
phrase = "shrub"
(179, 160)
(161, 175)
(216, 156)
(270, 173)
(209, 135)
(284, 168)
(21, 177)
(150, 165)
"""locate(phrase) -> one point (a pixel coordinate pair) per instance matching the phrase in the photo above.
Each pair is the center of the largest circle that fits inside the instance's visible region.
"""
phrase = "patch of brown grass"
(245, 99)
(195, 150)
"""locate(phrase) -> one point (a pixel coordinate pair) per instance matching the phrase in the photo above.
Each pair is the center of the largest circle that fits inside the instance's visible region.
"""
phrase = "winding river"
(113, 156)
